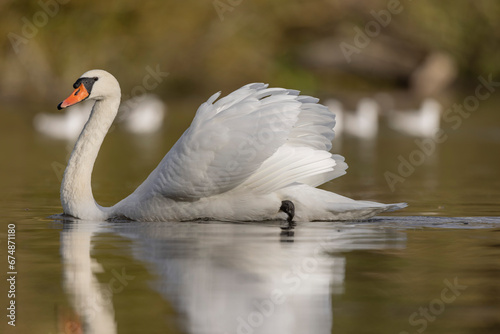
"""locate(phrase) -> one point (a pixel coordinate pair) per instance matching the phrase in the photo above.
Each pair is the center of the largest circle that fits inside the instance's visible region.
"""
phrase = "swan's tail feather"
(320, 205)
(360, 211)
(395, 206)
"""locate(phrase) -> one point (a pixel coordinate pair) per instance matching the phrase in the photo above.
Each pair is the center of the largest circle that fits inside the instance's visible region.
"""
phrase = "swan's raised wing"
(242, 140)
(226, 142)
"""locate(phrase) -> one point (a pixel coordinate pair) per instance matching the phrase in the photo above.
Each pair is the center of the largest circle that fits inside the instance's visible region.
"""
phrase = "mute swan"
(423, 122)
(143, 114)
(243, 158)
(63, 127)
(362, 123)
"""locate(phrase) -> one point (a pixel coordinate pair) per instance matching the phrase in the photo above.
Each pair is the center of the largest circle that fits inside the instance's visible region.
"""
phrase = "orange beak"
(78, 95)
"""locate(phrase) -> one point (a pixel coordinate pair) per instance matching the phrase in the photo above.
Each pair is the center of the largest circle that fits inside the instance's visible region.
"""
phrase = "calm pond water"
(431, 268)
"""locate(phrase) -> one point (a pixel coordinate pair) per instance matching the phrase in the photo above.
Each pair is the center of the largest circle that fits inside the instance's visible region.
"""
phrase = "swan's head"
(93, 85)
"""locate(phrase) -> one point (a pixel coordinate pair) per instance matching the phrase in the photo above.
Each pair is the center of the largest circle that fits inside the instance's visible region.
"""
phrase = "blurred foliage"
(214, 45)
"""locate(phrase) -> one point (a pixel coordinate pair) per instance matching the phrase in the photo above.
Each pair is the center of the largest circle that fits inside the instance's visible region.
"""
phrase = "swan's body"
(423, 122)
(361, 123)
(242, 156)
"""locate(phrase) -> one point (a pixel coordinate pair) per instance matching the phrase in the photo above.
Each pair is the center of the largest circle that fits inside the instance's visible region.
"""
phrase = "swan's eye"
(86, 82)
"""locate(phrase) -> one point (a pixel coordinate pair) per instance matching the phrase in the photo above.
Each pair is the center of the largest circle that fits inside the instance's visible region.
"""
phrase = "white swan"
(143, 114)
(252, 155)
(423, 122)
(140, 115)
(63, 127)
(361, 123)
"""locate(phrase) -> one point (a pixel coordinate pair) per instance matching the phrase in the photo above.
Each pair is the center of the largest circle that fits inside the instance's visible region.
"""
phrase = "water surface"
(433, 267)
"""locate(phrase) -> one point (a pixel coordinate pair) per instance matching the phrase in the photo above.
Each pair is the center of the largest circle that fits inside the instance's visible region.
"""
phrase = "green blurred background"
(207, 46)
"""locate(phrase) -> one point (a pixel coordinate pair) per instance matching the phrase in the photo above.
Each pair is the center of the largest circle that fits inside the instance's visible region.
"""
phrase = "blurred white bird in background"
(139, 115)
(423, 122)
(143, 114)
(66, 126)
(361, 123)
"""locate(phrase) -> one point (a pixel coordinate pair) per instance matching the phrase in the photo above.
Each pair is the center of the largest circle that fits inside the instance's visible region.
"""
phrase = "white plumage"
(63, 127)
(423, 122)
(139, 116)
(361, 123)
(241, 157)
(143, 114)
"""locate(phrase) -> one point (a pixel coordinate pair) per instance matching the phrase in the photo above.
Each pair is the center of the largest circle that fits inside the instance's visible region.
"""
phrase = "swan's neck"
(76, 190)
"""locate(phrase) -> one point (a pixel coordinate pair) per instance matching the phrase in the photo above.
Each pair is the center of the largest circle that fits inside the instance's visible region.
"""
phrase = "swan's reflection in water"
(90, 299)
(227, 278)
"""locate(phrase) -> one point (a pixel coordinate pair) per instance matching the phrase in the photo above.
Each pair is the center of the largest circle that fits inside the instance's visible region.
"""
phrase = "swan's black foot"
(288, 228)
(288, 208)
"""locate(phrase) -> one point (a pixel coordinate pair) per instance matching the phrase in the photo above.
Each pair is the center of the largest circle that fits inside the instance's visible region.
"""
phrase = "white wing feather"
(256, 138)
